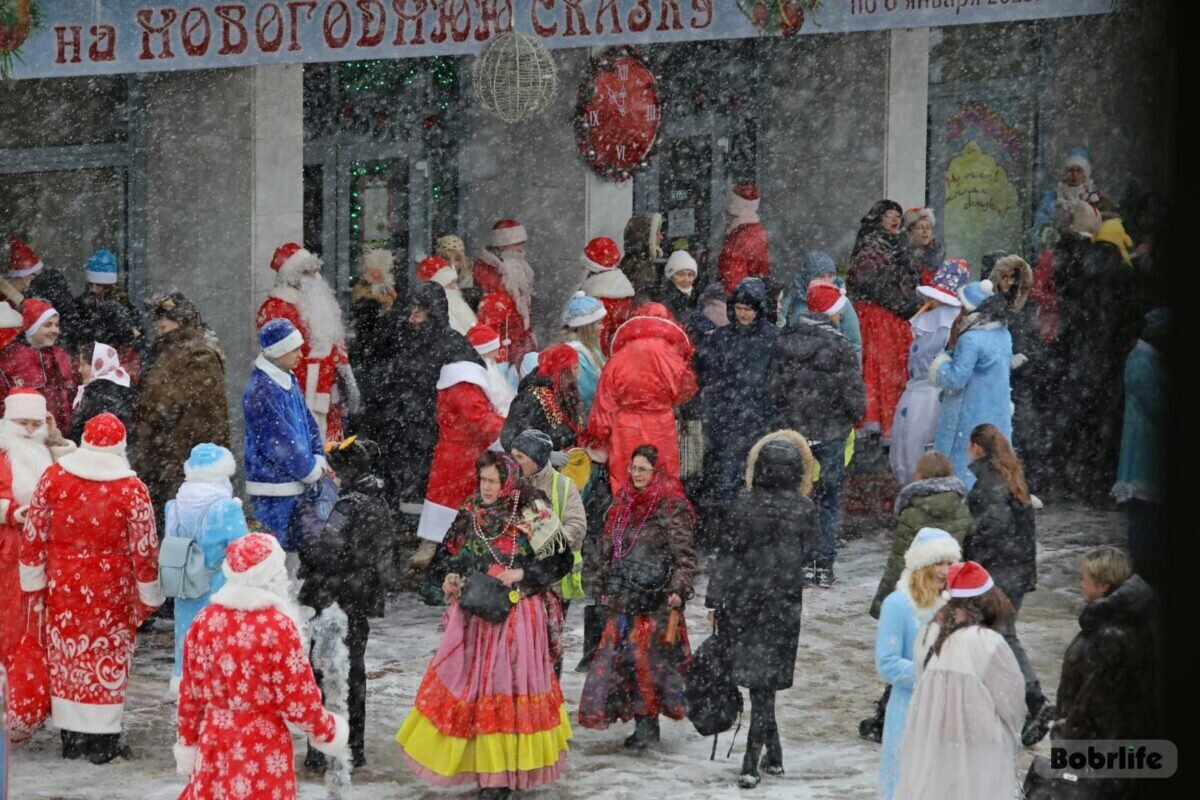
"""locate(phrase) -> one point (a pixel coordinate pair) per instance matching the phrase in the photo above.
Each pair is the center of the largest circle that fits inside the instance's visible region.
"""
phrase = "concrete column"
(907, 115)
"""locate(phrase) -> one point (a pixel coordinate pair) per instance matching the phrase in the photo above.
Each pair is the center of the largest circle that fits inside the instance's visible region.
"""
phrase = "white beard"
(461, 315)
(517, 276)
(500, 391)
(322, 315)
(28, 457)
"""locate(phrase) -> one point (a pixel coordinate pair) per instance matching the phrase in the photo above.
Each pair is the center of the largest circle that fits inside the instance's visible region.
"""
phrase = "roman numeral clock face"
(618, 114)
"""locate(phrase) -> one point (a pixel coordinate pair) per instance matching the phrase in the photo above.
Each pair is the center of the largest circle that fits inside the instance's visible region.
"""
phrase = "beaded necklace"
(621, 525)
(554, 414)
(509, 524)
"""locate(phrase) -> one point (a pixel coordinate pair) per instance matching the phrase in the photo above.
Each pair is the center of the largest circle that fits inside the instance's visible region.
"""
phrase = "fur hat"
(1018, 270)
(973, 294)
(914, 215)
(104, 433)
(209, 463)
(583, 310)
(255, 559)
(279, 336)
(931, 546)
(508, 231)
(24, 403)
(102, 268)
(1079, 157)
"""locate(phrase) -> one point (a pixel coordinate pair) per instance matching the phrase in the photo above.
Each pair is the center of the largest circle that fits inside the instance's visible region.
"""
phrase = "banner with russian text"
(90, 37)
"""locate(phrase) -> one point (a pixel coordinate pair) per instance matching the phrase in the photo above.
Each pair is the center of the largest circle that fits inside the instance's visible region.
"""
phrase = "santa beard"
(517, 276)
(28, 457)
(461, 315)
(318, 307)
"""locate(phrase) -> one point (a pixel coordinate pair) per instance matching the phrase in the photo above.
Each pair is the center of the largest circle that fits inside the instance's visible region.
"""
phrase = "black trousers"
(764, 731)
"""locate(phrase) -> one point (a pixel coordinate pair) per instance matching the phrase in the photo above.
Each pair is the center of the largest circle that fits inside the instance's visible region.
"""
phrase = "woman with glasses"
(643, 570)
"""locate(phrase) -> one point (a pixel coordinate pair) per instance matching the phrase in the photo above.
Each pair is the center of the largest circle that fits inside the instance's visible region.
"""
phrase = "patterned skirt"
(886, 339)
(636, 672)
(489, 711)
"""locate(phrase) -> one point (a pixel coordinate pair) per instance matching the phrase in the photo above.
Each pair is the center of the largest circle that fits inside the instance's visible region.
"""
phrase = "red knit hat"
(483, 338)
(34, 313)
(967, 579)
(601, 254)
(253, 560)
(556, 359)
(437, 270)
(825, 297)
(22, 260)
(508, 231)
(105, 433)
(291, 257)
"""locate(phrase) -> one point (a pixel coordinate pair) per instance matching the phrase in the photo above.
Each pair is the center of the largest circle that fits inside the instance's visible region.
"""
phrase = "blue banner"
(91, 37)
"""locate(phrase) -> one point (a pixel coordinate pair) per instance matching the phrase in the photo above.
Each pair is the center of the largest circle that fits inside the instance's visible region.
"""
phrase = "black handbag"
(485, 597)
(1043, 783)
(710, 696)
(639, 584)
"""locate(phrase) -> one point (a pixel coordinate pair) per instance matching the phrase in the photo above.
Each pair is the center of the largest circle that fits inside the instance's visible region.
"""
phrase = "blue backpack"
(181, 568)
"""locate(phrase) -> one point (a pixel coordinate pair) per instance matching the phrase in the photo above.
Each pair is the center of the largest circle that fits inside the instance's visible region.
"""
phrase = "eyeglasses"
(640, 470)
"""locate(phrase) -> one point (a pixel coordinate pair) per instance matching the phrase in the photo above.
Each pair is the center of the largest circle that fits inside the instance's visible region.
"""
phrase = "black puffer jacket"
(527, 413)
(815, 386)
(341, 565)
(1003, 532)
(682, 306)
(770, 533)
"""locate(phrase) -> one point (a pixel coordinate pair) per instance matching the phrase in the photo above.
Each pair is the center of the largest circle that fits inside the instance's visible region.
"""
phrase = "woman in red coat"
(883, 283)
(646, 379)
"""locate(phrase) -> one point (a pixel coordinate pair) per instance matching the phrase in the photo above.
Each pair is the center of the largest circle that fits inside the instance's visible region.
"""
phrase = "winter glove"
(349, 387)
(1017, 360)
(558, 459)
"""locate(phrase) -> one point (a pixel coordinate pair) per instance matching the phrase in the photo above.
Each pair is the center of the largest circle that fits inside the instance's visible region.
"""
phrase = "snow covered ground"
(835, 687)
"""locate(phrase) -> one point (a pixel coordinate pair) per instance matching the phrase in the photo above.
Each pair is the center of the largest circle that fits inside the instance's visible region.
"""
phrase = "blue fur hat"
(102, 267)
(209, 463)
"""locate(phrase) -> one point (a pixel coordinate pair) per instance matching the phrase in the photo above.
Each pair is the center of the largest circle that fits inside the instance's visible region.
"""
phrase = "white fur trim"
(21, 273)
(253, 579)
(941, 295)
(435, 521)
(285, 345)
(594, 267)
(25, 406)
(102, 278)
(225, 467)
(9, 316)
(298, 262)
(462, 372)
(502, 237)
(281, 378)
(837, 306)
(488, 347)
(934, 552)
(96, 465)
(445, 276)
(185, 756)
(936, 364)
(611, 284)
(740, 207)
(288, 294)
(173, 693)
(316, 472)
(240, 597)
(613, 342)
(285, 489)
(40, 321)
(1078, 161)
(972, 592)
(335, 747)
(586, 319)
(33, 579)
(86, 717)
(151, 594)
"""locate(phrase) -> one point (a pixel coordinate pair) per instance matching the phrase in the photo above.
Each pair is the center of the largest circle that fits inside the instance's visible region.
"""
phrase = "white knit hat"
(679, 261)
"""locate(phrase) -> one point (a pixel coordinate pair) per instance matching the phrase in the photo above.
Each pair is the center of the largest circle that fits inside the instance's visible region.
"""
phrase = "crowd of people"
(665, 423)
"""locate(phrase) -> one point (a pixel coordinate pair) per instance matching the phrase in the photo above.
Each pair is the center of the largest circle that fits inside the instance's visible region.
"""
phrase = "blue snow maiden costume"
(974, 379)
(899, 623)
(284, 453)
(205, 510)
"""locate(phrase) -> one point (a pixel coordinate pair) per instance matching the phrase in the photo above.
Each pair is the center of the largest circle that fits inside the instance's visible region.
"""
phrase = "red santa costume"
(744, 254)
(302, 297)
(440, 272)
(90, 545)
(605, 281)
(647, 378)
(506, 279)
(246, 675)
(24, 456)
(468, 425)
(47, 369)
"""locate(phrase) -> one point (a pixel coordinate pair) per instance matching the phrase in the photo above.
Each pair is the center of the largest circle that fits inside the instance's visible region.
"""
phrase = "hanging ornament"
(515, 77)
(618, 114)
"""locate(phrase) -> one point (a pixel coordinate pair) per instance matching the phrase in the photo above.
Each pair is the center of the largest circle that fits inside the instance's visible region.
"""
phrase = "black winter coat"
(100, 396)
(816, 386)
(770, 532)
(682, 306)
(341, 565)
(527, 413)
(1003, 532)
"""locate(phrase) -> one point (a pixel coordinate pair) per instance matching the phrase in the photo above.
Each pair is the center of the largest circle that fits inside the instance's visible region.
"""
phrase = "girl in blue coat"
(974, 375)
(205, 510)
(917, 598)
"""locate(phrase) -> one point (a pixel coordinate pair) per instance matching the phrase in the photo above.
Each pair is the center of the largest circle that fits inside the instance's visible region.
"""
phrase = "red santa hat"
(255, 559)
(825, 297)
(34, 314)
(291, 259)
(601, 255)
(437, 270)
(104, 433)
(22, 260)
(508, 231)
(483, 338)
(742, 200)
(24, 403)
(967, 579)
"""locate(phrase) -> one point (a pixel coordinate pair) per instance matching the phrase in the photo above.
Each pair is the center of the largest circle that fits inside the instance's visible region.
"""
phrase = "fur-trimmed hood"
(924, 488)
(782, 461)
(1018, 270)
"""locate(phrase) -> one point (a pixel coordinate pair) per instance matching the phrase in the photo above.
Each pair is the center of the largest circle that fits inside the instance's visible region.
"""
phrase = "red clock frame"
(618, 114)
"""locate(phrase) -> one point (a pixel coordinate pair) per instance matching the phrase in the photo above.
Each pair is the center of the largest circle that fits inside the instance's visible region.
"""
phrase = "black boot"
(358, 758)
(871, 728)
(105, 747)
(645, 733)
(315, 761)
(1037, 722)
(72, 744)
(772, 760)
(749, 777)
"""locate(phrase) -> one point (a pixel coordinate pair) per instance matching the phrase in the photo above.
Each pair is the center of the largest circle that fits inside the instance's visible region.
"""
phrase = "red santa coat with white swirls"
(91, 545)
(245, 675)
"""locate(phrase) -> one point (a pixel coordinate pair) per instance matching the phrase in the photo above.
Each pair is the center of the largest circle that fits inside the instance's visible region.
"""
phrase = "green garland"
(10, 23)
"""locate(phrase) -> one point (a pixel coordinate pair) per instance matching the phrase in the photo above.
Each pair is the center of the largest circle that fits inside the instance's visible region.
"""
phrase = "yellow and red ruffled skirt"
(489, 711)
